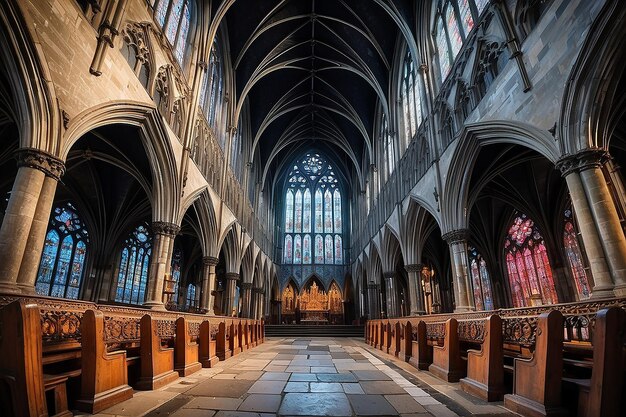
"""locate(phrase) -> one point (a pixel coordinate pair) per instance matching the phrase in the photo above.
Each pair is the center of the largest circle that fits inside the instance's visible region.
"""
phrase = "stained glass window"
(177, 262)
(575, 257)
(174, 17)
(529, 271)
(312, 204)
(453, 31)
(191, 296)
(480, 5)
(443, 50)
(466, 16)
(132, 276)
(338, 250)
(62, 263)
(483, 297)
(306, 249)
(212, 98)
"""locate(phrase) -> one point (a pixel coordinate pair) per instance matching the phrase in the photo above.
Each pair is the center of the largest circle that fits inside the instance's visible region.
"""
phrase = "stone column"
(25, 222)
(160, 262)
(416, 295)
(391, 293)
(457, 240)
(258, 304)
(374, 307)
(246, 299)
(208, 284)
(602, 282)
(605, 215)
(231, 285)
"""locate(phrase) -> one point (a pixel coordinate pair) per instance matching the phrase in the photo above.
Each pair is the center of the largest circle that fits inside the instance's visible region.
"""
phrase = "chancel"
(312, 207)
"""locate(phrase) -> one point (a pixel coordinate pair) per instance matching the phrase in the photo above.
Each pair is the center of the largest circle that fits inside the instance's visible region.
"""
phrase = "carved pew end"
(208, 357)
(157, 363)
(447, 359)
(421, 353)
(186, 351)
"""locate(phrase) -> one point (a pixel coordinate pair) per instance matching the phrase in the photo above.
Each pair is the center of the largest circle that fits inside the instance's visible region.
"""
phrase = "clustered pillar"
(374, 307)
(598, 221)
(416, 295)
(26, 219)
(457, 240)
(208, 284)
(246, 299)
(231, 285)
(160, 262)
(392, 294)
(258, 293)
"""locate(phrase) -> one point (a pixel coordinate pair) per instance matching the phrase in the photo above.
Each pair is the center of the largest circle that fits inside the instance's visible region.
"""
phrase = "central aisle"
(306, 377)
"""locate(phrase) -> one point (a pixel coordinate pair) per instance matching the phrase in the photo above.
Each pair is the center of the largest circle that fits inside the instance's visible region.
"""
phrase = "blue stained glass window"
(319, 249)
(181, 43)
(306, 249)
(318, 212)
(329, 249)
(161, 12)
(63, 258)
(191, 295)
(338, 250)
(481, 4)
(443, 50)
(337, 212)
(133, 267)
(328, 212)
(306, 214)
(174, 18)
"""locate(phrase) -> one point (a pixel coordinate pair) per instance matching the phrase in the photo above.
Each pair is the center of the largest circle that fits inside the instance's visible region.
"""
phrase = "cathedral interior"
(312, 208)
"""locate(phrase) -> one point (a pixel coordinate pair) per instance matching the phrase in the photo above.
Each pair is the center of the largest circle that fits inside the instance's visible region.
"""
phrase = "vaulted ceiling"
(313, 72)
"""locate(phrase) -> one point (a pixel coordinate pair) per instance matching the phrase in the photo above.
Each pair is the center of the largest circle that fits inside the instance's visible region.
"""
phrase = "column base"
(620, 290)
(9, 288)
(464, 309)
(418, 313)
(26, 289)
(602, 293)
(155, 305)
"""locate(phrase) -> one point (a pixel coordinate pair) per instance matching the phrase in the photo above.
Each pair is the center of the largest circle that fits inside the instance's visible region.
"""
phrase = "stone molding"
(50, 165)
(245, 285)
(232, 275)
(165, 228)
(586, 159)
(413, 268)
(210, 260)
(456, 236)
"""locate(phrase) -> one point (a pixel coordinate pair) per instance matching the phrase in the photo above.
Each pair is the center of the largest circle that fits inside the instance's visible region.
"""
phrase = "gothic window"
(191, 296)
(235, 153)
(575, 257)
(483, 296)
(454, 20)
(463, 102)
(132, 276)
(212, 93)
(174, 17)
(135, 50)
(338, 250)
(312, 204)
(411, 96)
(387, 143)
(177, 262)
(529, 271)
(491, 62)
(528, 14)
(62, 264)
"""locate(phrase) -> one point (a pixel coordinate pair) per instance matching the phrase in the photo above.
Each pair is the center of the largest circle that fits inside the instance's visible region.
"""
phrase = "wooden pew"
(104, 380)
(601, 395)
(447, 359)
(223, 341)
(208, 344)
(186, 350)
(387, 337)
(407, 342)
(21, 369)
(157, 361)
(243, 335)
(485, 367)
(396, 339)
(234, 343)
(537, 381)
(421, 353)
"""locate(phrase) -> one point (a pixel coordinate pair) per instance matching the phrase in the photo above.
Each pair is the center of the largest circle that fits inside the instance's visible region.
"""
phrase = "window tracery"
(411, 96)
(62, 263)
(132, 276)
(174, 18)
(483, 296)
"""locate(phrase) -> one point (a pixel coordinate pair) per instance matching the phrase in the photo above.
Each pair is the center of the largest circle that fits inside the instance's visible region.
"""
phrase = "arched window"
(454, 20)
(174, 17)
(132, 277)
(212, 93)
(411, 96)
(575, 257)
(387, 143)
(483, 297)
(62, 262)
(191, 296)
(530, 274)
(313, 204)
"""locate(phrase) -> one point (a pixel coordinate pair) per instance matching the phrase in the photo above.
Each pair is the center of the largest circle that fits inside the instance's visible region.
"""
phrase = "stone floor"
(307, 377)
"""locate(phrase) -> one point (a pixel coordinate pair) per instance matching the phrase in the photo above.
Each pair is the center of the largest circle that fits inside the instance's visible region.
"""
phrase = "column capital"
(210, 260)
(49, 164)
(258, 290)
(389, 274)
(372, 286)
(232, 275)
(413, 267)
(456, 236)
(586, 159)
(165, 228)
(245, 285)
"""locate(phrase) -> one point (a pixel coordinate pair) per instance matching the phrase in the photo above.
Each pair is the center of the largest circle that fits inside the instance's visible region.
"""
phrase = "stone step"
(292, 330)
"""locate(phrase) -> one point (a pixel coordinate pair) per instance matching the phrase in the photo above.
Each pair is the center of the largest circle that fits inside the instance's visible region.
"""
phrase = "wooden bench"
(208, 344)
(421, 352)
(223, 341)
(186, 356)
(537, 381)
(406, 345)
(446, 358)
(485, 367)
(157, 357)
(233, 340)
(104, 379)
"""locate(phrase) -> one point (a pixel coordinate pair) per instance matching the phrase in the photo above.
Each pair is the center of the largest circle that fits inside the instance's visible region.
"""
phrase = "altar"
(312, 305)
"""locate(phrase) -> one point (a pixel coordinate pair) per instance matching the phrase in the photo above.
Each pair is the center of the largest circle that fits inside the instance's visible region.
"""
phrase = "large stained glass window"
(174, 18)
(411, 96)
(453, 22)
(212, 92)
(62, 263)
(529, 271)
(192, 302)
(313, 203)
(575, 257)
(132, 276)
(483, 296)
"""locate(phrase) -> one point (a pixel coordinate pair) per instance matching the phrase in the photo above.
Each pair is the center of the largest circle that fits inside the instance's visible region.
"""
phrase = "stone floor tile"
(275, 376)
(323, 370)
(267, 387)
(375, 375)
(301, 377)
(275, 368)
(347, 377)
(285, 362)
(352, 388)
(224, 376)
(416, 392)
(371, 405)
(235, 414)
(381, 387)
(296, 387)
(250, 375)
(262, 403)
(427, 400)
(141, 403)
(441, 410)
(186, 412)
(315, 404)
(214, 403)
(326, 387)
(233, 388)
(298, 368)
(404, 403)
